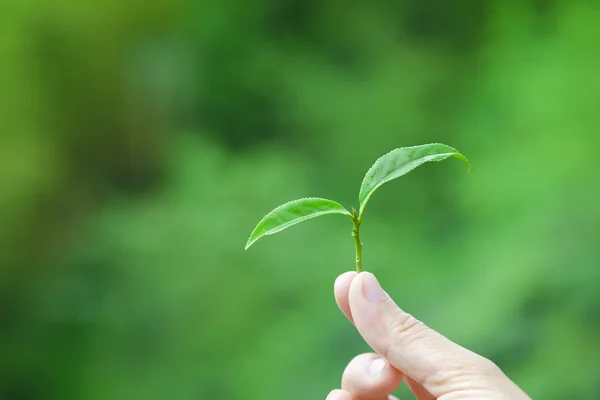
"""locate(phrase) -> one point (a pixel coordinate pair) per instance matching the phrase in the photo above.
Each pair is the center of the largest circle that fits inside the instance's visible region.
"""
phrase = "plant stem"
(357, 243)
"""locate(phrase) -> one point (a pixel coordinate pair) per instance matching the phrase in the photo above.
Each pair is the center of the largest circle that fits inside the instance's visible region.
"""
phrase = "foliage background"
(141, 141)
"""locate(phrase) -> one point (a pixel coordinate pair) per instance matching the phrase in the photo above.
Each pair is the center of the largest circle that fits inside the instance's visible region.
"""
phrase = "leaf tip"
(250, 242)
(466, 161)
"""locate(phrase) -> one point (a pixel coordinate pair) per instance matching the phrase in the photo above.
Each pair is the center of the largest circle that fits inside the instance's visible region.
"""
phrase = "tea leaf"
(293, 213)
(399, 162)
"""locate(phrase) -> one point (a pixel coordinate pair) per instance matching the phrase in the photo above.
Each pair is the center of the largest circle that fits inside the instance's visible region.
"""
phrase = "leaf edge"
(454, 153)
(251, 241)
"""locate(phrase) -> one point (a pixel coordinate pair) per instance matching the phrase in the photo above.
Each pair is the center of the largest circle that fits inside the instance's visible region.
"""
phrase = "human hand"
(406, 349)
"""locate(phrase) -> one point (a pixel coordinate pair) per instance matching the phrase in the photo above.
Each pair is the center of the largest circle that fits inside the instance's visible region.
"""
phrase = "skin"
(407, 350)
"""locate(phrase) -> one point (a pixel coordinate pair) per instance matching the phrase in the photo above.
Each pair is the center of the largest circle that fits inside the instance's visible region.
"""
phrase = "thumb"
(424, 355)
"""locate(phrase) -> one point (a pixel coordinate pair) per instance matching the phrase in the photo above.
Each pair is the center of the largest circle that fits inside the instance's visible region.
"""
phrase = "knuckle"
(488, 367)
(406, 329)
(467, 372)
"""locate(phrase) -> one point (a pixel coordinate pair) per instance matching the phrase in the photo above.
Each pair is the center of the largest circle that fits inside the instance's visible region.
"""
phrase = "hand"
(432, 366)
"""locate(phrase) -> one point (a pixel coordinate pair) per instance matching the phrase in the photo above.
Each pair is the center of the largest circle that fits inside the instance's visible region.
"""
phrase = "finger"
(410, 346)
(370, 377)
(418, 390)
(339, 395)
(343, 395)
(341, 289)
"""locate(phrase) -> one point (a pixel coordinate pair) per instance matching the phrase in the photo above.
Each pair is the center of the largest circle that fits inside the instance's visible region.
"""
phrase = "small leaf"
(400, 162)
(293, 213)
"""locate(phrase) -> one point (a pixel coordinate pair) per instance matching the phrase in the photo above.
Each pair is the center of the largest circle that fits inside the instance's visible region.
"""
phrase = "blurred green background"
(141, 141)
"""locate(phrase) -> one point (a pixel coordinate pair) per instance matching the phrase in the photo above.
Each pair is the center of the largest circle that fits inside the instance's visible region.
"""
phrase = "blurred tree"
(122, 274)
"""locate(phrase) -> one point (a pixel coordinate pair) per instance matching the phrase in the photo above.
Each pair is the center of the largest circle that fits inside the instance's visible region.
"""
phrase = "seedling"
(388, 167)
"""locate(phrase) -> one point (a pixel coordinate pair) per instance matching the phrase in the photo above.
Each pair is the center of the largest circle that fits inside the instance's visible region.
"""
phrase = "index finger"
(341, 288)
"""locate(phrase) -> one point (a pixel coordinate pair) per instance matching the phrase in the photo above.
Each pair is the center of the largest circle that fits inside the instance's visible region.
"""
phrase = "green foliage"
(400, 162)
(293, 213)
(121, 270)
(388, 167)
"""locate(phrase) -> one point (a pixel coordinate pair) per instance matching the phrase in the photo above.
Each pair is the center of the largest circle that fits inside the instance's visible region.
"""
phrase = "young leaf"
(293, 213)
(400, 162)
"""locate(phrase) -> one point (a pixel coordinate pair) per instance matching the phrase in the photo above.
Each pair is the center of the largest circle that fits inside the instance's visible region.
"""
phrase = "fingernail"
(376, 367)
(335, 395)
(371, 289)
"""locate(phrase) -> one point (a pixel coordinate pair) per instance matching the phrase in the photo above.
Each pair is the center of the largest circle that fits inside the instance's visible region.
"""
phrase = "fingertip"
(369, 376)
(344, 279)
(365, 286)
(341, 288)
(339, 395)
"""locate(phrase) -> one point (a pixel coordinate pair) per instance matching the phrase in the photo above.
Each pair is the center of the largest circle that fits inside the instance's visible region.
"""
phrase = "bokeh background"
(141, 141)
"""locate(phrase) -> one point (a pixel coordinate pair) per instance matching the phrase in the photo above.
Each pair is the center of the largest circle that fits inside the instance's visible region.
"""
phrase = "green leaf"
(293, 213)
(400, 162)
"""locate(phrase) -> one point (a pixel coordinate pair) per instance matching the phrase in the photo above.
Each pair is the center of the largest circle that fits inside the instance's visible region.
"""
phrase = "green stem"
(357, 243)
